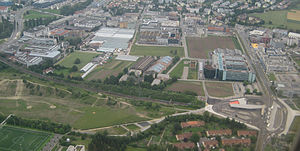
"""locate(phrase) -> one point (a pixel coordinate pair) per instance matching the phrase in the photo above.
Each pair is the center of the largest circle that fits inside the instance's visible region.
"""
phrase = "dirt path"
(19, 88)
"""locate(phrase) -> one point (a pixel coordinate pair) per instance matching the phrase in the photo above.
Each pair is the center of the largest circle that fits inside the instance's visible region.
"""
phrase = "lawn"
(199, 47)
(104, 116)
(113, 67)
(156, 51)
(130, 148)
(132, 127)
(182, 86)
(193, 73)
(271, 77)
(177, 71)
(36, 15)
(19, 139)
(219, 89)
(83, 56)
(295, 125)
(277, 19)
(54, 11)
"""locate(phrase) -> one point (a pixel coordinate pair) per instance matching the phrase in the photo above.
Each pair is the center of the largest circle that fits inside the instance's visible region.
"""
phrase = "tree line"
(6, 28)
(70, 10)
(30, 23)
(37, 124)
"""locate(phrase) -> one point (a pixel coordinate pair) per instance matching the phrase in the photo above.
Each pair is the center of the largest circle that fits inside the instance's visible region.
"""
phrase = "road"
(18, 29)
(269, 96)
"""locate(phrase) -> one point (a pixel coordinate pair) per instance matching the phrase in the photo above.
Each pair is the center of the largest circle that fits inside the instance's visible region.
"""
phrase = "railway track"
(85, 86)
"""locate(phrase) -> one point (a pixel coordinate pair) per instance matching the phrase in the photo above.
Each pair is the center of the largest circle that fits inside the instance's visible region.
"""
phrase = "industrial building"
(228, 65)
(143, 64)
(161, 64)
(113, 38)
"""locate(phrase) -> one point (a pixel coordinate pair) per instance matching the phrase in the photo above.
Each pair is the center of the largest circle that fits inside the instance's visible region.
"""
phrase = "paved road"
(269, 96)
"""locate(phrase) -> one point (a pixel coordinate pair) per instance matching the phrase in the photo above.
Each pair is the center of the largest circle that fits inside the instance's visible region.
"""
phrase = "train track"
(85, 86)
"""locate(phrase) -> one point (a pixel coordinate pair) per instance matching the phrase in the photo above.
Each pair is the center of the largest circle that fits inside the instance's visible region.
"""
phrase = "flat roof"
(113, 38)
(127, 58)
(247, 106)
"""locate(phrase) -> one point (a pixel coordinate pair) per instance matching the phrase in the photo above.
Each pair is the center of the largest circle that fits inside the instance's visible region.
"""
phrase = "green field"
(104, 116)
(132, 127)
(36, 15)
(156, 51)
(177, 71)
(83, 56)
(19, 139)
(113, 67)
(277, 19)
(271, 77)
(193, 73)
(54, 11)
(295, 125)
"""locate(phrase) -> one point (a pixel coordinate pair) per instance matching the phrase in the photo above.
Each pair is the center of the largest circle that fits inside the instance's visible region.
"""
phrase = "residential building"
(192, 124)
(219, 132)
(236, 141)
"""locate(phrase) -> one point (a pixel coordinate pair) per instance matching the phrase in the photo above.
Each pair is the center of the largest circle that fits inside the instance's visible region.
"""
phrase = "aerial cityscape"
(150, 75)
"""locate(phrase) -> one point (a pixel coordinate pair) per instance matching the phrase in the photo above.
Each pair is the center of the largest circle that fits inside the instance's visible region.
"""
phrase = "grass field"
(177, 71)
(182, 86)
(295, 125)
(219, 89)
(54, 11)
(19, 139)
(193, 73)
(271, 77)
(201, 47)
(113, 67)
(69, 109)
(68, 62)
(83, 56)
(132, 127)
(277, 19)
(36, 15)
(156, 51)
(105, 116)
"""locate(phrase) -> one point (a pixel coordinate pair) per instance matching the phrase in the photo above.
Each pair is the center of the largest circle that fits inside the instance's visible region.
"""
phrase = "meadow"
(139, 50)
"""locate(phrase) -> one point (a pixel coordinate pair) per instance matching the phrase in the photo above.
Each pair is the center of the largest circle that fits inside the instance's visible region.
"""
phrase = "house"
(219, 132)
(235, 141)
(183, 136)
(192, 124)
(76, 148)
(246, 133)
(210, 143)
(187, 145)
(3, 9)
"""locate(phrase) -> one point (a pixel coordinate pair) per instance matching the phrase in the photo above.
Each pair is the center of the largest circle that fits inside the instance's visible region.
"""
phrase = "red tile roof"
(219, 132)
(183, 136)
(246, 133)
(192, 124)
(210, 143)
(236, 141)
(187, 145)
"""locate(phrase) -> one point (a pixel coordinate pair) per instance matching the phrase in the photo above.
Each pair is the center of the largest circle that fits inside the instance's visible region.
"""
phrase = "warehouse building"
(113, 38)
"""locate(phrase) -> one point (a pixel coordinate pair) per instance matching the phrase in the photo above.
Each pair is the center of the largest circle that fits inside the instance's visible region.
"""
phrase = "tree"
(77, 61)
(255, 91)
(74, 69)
(195, 138)
(245, 83)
